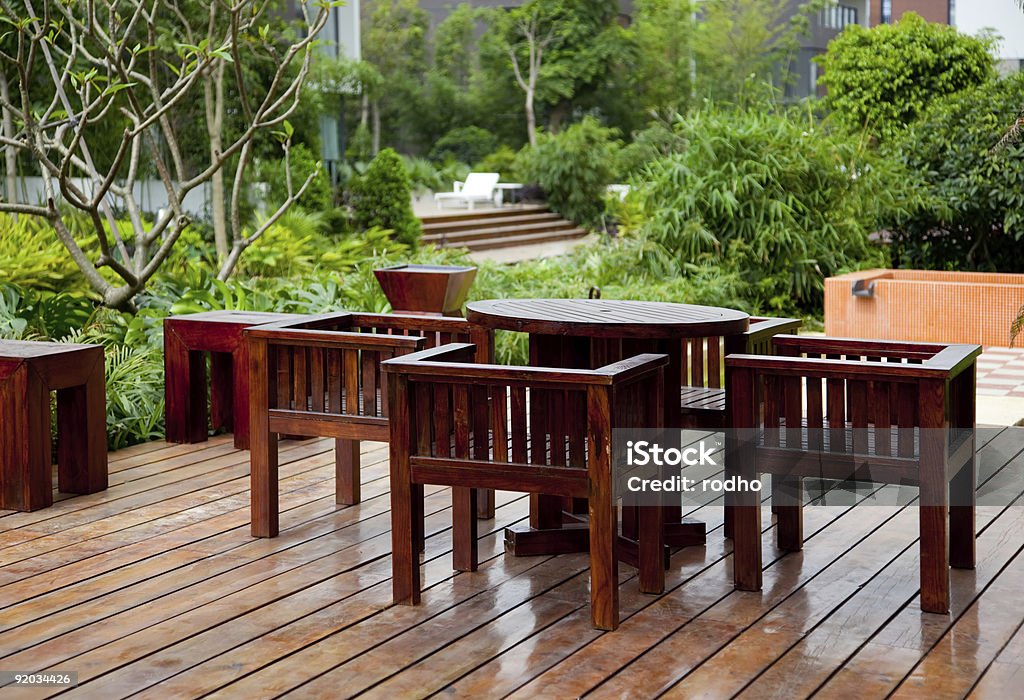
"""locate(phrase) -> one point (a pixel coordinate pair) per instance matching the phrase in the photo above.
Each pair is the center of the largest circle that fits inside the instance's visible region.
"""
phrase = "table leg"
(558, 526)
(25, 453)
(184, 390)
(82, 434)
(240, 395)
(221, 391)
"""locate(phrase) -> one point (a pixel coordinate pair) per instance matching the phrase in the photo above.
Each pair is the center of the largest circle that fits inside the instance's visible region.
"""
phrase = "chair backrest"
(323, 373)
(703, 358)
(854, 397)
(480, 184)
(503, 422)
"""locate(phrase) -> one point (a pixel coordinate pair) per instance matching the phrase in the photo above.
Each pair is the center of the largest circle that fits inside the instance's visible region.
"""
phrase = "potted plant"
(436, 290)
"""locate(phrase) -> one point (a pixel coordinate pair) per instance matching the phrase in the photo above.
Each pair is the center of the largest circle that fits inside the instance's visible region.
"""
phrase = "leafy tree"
(740, 40)
(394, 43)
(883, 78)
(978, 220)
(108, 63)
(466, 144)
(381, 198)
(556, 51)
(662, 77)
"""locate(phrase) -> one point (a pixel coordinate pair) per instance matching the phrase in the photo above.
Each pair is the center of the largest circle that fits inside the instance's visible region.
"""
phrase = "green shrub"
(466, 144)
(656, 141)
(504, 161)
(381, 198)
(883, 78)
(772, 197)
(975, 217)
(319, 196)
(32, 257)
(574, 167)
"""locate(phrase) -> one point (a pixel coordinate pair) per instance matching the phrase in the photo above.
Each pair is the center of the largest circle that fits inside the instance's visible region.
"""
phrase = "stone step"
(497, 212)
(430, 226)
(457, 237)
(525, 239)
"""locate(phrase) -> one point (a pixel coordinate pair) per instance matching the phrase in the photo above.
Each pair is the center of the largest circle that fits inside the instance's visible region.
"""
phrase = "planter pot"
(924, 305)
(436, 290)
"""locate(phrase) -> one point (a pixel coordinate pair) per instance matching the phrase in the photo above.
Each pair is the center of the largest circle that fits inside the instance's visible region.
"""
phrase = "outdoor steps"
(498, 228)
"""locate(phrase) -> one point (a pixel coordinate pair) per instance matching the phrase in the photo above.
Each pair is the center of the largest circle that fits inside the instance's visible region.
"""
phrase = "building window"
(886, 11)
(952, 13)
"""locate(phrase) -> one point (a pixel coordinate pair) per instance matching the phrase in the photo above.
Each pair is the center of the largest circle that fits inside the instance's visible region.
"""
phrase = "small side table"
(29, 371)
(186, 339)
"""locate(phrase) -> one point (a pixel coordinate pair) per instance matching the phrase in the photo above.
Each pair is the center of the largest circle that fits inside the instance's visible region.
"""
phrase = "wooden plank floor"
(154, 589)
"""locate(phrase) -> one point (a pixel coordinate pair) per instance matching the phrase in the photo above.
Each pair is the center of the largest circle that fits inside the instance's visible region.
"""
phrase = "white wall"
(150, 195)
(1004, 16)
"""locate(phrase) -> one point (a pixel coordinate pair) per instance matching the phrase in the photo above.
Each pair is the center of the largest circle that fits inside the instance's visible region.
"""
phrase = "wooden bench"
(319, 376)
(702, 394)
(857, 410)
(186, 341)
(29, 371)
(448, 427)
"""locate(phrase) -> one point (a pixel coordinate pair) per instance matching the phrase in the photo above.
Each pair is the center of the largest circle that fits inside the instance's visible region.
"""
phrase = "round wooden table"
(591, 333)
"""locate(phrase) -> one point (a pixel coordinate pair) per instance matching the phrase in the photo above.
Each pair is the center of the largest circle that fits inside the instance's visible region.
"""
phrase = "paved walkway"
(1001, 372)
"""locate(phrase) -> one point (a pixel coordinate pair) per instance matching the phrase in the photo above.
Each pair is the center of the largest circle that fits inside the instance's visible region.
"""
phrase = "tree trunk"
(558, 116)
(531, 120)
(214, 94)
(10, 156)
(375, 149)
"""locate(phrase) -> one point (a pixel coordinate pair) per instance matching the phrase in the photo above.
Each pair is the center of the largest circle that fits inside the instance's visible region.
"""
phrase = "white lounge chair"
(478, 187)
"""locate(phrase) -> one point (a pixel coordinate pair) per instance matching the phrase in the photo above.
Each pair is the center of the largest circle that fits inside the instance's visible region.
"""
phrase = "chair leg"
(651, 550)
(464, 530)
(405, 561)
(787, 498)
(418, 518)
(604, 569)
(346, 472)
(484, 504)
(962, 507)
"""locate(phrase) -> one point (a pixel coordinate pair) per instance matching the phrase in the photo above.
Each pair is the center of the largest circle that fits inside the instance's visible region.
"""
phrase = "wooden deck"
(155, 589)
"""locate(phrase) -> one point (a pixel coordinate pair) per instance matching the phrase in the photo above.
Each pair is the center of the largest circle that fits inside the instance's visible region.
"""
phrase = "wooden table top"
(28, 349)
(610, 318)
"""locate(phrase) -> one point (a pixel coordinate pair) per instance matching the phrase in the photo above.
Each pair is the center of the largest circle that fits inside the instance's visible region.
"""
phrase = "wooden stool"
(29, 371)
(219, 333)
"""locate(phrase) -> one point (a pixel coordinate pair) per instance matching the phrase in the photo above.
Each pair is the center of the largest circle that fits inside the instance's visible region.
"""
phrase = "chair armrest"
(434, 363)
(764, 328)
(329, 321)
(845, 369)
(343, 340)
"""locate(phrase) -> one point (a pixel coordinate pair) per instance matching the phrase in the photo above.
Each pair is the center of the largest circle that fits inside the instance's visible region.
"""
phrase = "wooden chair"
(319, 376)
(448, 427)
(702, 394)
(858, 410)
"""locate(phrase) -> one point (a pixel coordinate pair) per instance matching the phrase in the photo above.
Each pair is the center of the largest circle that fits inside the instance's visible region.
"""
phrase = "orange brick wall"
(942, 307)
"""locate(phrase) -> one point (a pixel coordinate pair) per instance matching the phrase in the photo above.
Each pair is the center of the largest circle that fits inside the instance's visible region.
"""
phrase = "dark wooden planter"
(438, 290)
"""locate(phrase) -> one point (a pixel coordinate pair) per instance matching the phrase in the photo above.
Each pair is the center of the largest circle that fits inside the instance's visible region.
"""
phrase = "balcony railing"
(838, 17)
